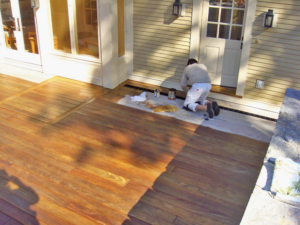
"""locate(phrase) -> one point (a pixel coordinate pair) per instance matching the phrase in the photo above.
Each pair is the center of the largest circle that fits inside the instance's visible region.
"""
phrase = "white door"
(19, 31)
(222, 39)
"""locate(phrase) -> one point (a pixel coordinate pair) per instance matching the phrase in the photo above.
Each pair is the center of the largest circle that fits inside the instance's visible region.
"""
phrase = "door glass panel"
(87, 4)
(224, 31)
(213, 14)
(227, 3)
(60, 25)
(236, 33)
(238, 17)
(212, 30)
(240, 3)
(214, 2)
(8, 24)
(28, 27)
(87, 28)
(225, 15)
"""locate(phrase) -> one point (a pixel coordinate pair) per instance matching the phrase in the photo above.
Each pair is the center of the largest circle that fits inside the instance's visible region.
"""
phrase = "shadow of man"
(13, 208)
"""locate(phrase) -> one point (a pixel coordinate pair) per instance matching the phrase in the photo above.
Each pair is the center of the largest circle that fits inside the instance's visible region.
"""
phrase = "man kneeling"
(195, 100)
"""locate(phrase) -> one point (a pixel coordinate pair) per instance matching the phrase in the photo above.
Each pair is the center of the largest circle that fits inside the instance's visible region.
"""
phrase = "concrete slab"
(264, 206)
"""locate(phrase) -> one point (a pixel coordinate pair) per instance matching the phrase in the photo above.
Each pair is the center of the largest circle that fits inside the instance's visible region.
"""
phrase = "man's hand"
(186, 88)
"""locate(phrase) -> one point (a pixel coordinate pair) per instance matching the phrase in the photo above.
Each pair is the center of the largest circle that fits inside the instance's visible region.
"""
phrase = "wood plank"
(191, 215)
(60, 190)
(152, 215)
(28, 90)
(4, 218)
(16, 213)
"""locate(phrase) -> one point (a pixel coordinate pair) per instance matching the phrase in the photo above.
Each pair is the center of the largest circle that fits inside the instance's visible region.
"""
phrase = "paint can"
(172, 94)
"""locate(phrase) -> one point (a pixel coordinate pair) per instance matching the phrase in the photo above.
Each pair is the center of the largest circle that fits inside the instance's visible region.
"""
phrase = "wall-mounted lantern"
(270, 19)
(177, 7)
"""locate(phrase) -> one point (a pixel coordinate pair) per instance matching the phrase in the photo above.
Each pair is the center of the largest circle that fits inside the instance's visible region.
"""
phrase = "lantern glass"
(269, 18)
(177, 6)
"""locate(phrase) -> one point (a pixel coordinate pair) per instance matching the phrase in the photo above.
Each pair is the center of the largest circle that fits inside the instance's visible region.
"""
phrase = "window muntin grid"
(226, 19)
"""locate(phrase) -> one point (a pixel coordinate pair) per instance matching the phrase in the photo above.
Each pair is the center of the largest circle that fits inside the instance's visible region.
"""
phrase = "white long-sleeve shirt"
(195, 73)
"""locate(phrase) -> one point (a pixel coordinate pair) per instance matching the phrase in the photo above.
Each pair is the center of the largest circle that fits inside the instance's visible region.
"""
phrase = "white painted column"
(109, 42)
(129, 34)
(250, 16)
(195, 29)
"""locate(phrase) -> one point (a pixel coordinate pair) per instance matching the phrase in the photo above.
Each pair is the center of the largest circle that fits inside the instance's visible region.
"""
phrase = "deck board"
(69, 154)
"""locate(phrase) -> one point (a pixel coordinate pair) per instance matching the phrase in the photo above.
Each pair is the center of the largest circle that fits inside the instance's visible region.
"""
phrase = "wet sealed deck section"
(70, 155)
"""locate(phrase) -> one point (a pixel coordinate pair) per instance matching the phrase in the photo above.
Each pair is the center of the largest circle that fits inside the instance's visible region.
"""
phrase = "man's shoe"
(210, 111)
(216, 108)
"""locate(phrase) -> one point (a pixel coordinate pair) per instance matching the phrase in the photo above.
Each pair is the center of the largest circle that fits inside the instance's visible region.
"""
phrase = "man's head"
(192, 61)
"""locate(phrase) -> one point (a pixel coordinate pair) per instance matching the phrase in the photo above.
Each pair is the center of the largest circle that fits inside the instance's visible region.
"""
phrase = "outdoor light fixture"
(177, 7)
(270, 19)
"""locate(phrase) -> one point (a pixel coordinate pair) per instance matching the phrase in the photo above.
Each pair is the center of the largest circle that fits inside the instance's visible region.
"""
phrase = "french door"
(19, 31)
(222, 39)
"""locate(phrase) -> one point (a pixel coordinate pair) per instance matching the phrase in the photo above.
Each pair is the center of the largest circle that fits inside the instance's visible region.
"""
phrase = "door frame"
(196, 33)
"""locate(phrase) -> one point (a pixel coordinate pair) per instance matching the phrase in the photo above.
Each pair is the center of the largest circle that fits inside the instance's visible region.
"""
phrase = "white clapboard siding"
(275, 59)
(161, 41)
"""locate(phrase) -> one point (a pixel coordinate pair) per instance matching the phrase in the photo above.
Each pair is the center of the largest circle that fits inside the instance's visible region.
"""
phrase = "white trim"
(109, 42)
(24, 65)
(25, 74)
(195, 29)
(84, 78)
(122, 69)
(243, 104)
(250, 17)
(129, 34)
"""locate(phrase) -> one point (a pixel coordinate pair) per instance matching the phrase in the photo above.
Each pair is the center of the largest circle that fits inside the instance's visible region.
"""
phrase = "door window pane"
(87, 28)
(227, 3)
(240, 3)
(8, 24)
(60, 25)
(214, 2)
(236, 33)
(213, 14)
(212, 30)
(238, 17)
(224, 31)
(28, 27)
(225, 15)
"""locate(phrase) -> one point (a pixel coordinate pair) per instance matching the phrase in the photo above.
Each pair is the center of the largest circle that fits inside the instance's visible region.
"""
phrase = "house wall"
(275, 59)
(161, 41)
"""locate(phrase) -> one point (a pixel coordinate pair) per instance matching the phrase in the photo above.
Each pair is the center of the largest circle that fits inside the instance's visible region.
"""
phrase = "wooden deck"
(70, 155)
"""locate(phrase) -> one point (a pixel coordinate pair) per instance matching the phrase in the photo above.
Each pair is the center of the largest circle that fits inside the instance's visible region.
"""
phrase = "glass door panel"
(229, 22)
(18, 21)
(87, 28)
(8, 22)
(75, 27)
(60, 25)
(28, 27)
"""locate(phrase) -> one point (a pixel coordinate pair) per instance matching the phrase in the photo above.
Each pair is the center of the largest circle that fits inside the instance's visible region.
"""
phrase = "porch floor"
(70, 155)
